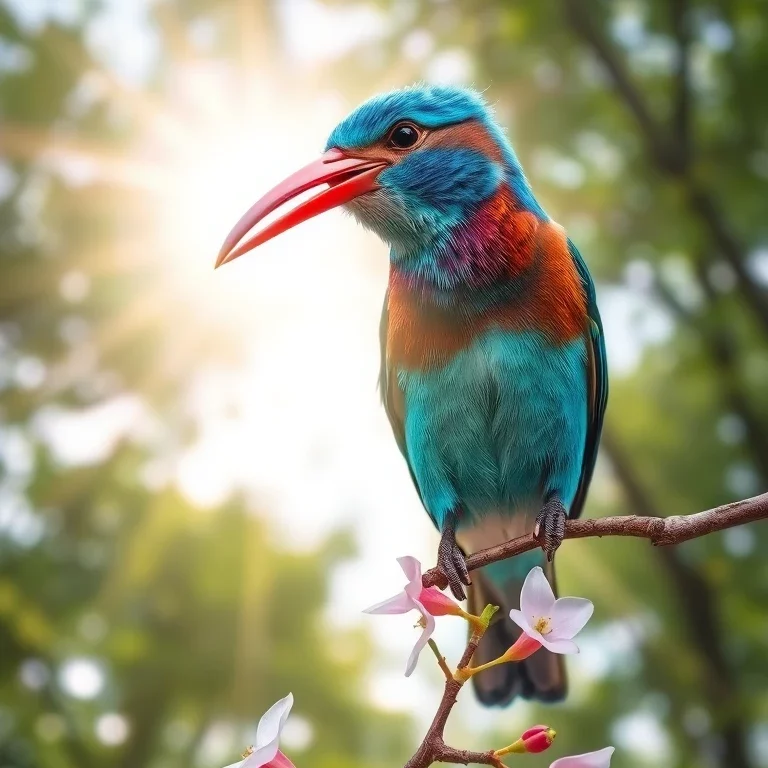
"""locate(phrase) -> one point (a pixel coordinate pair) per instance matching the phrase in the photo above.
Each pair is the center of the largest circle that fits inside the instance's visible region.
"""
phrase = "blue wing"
(392, 395)
(598, 383)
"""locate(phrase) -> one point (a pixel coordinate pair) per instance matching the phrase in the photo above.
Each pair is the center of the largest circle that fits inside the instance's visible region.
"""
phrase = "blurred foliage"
(135, 629)
(191, 618)
(643, 126)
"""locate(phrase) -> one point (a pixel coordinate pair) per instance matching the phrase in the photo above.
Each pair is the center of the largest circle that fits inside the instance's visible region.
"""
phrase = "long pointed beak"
(347, 178)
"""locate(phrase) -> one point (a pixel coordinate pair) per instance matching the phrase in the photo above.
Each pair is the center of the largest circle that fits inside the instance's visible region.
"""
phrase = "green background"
(643, 127)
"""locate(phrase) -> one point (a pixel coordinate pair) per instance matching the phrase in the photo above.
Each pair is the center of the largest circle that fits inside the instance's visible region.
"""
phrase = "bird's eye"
(403, 136)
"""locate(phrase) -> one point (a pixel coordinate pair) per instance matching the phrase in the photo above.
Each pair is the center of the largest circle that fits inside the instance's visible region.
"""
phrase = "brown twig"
(661, 532)
(433, 749)
(446, 670)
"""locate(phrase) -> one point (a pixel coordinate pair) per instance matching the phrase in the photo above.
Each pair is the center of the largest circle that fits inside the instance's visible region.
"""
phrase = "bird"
(493, 363)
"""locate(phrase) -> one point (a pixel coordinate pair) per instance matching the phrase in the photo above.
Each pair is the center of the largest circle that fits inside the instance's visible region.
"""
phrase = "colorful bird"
(493, 366)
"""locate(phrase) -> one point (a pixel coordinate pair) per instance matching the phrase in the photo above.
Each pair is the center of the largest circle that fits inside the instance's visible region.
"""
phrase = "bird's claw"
(451, 562)
(549, 530)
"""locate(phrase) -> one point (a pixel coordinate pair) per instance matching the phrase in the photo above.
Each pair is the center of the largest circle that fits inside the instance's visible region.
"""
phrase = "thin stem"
(440, 659)
(466, 672)
(475, 621)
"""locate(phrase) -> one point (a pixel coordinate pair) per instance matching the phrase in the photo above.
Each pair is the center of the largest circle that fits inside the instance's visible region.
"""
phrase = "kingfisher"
(493, 364)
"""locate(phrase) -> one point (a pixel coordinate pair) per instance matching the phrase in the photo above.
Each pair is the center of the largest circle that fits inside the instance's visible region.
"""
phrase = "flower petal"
(259, 757)
(235, 765)
(412, 570)
(559, 646)
(268, 733)
(536, 597)
(422, 641)
(411, 567)
(569, 616)
(599, 759)
(399, 603)
(522, 621)
(437, 603)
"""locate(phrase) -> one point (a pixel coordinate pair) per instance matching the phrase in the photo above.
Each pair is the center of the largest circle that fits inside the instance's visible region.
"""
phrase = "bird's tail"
(542, 675)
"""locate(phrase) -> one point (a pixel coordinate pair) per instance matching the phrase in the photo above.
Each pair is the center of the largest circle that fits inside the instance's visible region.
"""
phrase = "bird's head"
(411, 165)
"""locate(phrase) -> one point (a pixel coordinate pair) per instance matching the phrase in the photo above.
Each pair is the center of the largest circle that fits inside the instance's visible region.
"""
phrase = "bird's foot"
(451, 562)
(550, 527)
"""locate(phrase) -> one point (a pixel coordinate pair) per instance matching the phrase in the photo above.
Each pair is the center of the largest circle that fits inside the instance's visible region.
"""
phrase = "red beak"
(346, 177)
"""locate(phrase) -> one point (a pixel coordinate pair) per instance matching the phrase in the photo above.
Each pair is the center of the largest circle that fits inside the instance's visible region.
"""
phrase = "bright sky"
(309, 439)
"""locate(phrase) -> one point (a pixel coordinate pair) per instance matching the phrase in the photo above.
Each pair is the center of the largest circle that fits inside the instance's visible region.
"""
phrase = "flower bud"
(534, 740)
(538, 738)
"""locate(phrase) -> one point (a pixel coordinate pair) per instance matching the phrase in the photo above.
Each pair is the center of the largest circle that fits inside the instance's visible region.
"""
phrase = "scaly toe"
(450, 561)
(550, 527)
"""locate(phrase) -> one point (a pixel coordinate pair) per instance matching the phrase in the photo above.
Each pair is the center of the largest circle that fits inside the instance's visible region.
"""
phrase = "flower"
(599, 759)
(534, 740)
(551, 623)
(538, 738)
(429, 602)
(266, 753)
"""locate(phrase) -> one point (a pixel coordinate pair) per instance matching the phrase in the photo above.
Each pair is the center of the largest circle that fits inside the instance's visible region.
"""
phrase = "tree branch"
(698, 608)
(661, 531)
(660, 146)
(681, 117)
(669, 150)
(434, 749)
(721, 346)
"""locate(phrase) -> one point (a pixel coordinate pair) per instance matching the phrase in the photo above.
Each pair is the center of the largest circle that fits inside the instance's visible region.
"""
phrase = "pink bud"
(538, 738)
(534, 740)
(438, 604)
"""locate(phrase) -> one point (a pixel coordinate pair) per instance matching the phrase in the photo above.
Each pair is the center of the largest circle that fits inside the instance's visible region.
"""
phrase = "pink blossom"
(550, 622)
(429, 602)
(265, 753)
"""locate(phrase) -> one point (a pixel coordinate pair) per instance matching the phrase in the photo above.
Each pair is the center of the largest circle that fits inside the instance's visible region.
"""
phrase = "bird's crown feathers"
(431, 106)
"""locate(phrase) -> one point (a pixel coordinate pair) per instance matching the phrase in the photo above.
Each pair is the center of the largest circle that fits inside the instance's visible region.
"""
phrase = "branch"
(703, 204)
(681, 117)
(661, 532)
(434, 749)
(721, 346)
(667, 149)
(698, 608)
(579, 15)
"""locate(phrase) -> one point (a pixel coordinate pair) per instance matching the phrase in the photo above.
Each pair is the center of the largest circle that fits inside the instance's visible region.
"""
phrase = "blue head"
(415, 165)
(446, 154)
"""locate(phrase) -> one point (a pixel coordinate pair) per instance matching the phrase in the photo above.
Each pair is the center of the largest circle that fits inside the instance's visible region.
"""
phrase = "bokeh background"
(198, 488)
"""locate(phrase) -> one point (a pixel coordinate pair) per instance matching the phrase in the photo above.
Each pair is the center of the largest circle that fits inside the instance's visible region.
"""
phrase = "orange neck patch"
(423, 334)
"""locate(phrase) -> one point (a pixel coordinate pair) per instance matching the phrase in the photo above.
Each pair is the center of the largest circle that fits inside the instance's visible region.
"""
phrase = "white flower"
(409, 600)
(265, 753)
(553, 623)
(600, 759)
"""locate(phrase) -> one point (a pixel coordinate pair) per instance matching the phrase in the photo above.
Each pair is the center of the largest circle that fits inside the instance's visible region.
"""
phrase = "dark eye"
(403, 136)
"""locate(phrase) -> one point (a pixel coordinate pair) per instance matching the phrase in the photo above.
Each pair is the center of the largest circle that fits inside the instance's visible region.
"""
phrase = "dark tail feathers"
(540, 677)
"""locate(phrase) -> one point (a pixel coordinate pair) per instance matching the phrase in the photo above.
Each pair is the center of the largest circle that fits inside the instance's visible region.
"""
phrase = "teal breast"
(500, 426)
